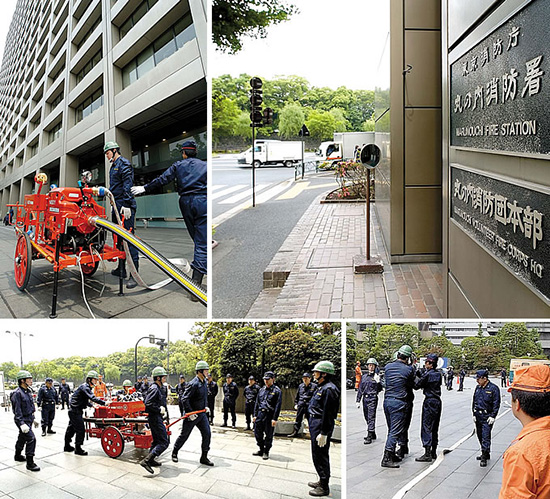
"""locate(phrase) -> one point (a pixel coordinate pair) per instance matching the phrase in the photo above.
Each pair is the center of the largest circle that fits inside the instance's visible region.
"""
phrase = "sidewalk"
(236, 472)
(311, 276)
(35, 301)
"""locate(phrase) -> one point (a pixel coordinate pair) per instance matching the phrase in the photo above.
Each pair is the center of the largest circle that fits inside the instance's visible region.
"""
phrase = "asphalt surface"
(171, 301)
(250, 238)
(458, 475)
(236, 473)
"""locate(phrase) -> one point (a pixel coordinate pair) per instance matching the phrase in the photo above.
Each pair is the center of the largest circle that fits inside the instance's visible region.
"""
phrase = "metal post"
(53, 315)
(368, 214)
(253, 165)
(21, 347)
(303, 165)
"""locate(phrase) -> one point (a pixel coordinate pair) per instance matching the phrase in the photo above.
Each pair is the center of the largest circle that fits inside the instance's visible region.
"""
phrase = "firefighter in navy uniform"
(81, 399)
(195, 399)
(181, 389)
(23, 408)
(212, 394)
(121, 181)
(64, 393)
(138, 384)
(399, 381)
(485, 406)
(368, 391)
(250, 395)
(157, 410)
(430, 381)
(301, 403)
(461, 376)
(403, 439)
(190, 173)
(47, 399)
(450, 377)
(145, 385)
(323, 411)
(230, 394)
(266, 414)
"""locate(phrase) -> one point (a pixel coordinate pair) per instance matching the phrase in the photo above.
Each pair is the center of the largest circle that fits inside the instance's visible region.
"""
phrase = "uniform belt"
(48, 402)
(481, 411)
(314, 416)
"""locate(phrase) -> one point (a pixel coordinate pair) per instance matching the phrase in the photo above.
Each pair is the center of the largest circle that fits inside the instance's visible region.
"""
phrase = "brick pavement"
(311, 276)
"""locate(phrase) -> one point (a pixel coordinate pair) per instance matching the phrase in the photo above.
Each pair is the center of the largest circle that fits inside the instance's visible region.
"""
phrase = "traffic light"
(268, 116)
(256, 100)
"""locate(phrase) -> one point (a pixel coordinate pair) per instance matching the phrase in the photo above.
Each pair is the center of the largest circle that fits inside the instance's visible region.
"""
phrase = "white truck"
(273, 152)
(342, 147)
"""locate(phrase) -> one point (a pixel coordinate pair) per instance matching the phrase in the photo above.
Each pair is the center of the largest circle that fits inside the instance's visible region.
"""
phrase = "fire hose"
(185, 416)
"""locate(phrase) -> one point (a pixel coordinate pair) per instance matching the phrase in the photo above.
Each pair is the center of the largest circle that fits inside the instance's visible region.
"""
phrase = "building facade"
(78, 73)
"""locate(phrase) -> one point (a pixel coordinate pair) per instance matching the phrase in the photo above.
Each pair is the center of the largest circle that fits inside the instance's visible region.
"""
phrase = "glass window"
(127, 26)
(164, 47)
(145, 62)
(55, 133)
(91, 104)
(185, 36)
(129, 74)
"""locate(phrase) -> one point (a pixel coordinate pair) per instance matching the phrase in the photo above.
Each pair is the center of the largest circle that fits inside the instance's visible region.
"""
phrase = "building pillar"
(68, 171)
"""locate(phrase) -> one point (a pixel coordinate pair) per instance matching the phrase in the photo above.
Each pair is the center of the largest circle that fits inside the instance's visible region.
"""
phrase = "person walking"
(367, 396)
(485, 406)
(266, 414)
(46, 400)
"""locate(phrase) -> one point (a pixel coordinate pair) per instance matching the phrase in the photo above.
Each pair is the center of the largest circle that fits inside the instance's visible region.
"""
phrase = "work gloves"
(24, 428)
(490, 421)
(377, 378)
(126, 212)
(163, 411)
(321, 440)
(207, 410)
(193, 417)
(137, 190)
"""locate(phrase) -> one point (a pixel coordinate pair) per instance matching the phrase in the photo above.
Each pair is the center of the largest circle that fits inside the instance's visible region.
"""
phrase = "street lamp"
(20, 336)
(161, 342)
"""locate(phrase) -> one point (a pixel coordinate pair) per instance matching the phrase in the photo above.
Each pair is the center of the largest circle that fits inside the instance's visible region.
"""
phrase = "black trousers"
(76, 427)
(158, 432)
(229, 407)
(211, 404)
(249, 412)
(320, 455)
(48, 415)
(26, 439)
(187, 427)
(300, 415)
(263, 431)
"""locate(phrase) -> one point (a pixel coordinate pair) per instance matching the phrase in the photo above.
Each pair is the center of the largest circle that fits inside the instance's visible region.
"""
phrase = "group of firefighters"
(318, 402)
(526, 462)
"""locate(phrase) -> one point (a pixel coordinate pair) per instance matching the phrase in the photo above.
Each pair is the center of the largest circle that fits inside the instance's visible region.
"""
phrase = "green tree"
(368, 126)
(321, 124)
(112, 374)
(470, 347)
(242, 126)
(225, 115)
(518, 341)
(291, 120)
(239, 354)
(76, 374)
(340, 122)
(234, 19)
(329, 347)
(391, 337)
(10, 370)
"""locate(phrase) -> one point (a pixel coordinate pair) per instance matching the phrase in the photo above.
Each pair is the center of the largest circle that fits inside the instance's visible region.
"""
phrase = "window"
(57, 100)
(91, 104)
(89, 66)
(97, 22)
(33, 150)
(54, 133)
(142, 9)
(164, 46)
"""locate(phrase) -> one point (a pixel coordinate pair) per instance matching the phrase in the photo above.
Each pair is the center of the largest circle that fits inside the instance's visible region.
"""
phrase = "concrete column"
(68, 171)
(198, 14)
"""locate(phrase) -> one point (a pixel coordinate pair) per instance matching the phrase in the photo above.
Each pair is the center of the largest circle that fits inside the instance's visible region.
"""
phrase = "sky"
(329, 43)
(83, 337)
(8, 8)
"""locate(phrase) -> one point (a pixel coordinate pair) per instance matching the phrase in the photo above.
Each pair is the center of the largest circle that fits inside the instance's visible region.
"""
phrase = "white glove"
(295, 407)
(126, 212)
(193, 417)
(321, 440)
(24, 428)
(377, 378)
(137, 190)
(207, 410)
(490, 421)
(474, 419)
(358, 405)
(36, 424)
(163, 411)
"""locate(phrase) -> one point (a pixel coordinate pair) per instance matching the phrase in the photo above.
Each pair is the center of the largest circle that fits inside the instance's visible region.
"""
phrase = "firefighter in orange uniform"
(527, 461)
(358, 375)
(100, 389)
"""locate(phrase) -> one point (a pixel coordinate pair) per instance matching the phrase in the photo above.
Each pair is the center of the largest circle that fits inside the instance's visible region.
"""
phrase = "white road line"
(401, 493)
(218, 187)
(243, 195)
(267, 195)
(227, 191)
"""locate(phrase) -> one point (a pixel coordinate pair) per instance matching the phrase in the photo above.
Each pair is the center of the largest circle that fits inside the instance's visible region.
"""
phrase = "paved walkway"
(459, 474)
(311, 276)
(236, 473)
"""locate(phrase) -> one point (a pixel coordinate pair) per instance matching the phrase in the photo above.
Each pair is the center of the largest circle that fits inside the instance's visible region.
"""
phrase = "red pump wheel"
(23, 261)
(112, 442)
(88, 269)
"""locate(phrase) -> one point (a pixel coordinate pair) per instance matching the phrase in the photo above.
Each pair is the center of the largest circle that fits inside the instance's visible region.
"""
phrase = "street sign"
(304, 132)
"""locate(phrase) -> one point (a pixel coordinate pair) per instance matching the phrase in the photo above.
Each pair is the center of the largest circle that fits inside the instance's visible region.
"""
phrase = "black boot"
(434, 452)
(314, 485)
(116, 272)
(373, 435)
(265, 457)
(321, 490)
(154, 463)
(368, 439)
(484, 457)
(224, 425)
(402, 451)
(79, 451)
(258, 453)
(43, 431)
(204, 459)
(387, 460)
(50, 431)
(68, 447)
(480, 457)
(131, 284)
(146, 462)
(19, 458)
(174, 456)
(426, 457)
(31, 465)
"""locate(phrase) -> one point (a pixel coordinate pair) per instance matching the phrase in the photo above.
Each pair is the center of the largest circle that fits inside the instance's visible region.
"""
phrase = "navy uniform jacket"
(23, 406)
(251, 393)
(145, 388)
(230, 392)
(121, 181)
(486, 400)
(269, 400)
(195, 396)
(324, 405)
(137, 385)
(368, 387)
(190, 174)
(462, 374)
(212, 389)
(304, 394)
(83, 397)
(155, 398)
(46, 396)
(181, 389)
(430, 382)
(399, 381)
(64, 390)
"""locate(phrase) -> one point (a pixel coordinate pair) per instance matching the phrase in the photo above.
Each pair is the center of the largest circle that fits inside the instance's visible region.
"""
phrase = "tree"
(329, 347)
(76, 374)
(234, 19)
(368, 126)
(518, 341)
(10, 370)
(340, 122)
(291, 120)
(321, 124)
(391, 337)
(239, 354)
(112, 373)
(225, 114)
(242, 126)
(443, 347)
(470, 347)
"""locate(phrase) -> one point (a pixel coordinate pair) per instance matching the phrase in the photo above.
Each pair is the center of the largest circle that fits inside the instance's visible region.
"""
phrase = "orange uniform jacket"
(358, 376)
(527, 463)
(100, 390)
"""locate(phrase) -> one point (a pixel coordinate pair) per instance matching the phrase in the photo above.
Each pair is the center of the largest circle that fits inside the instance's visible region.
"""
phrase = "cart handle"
(185, 416)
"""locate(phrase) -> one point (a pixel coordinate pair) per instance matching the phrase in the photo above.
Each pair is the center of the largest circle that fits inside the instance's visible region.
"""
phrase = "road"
(458, 474)
(249, 237)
